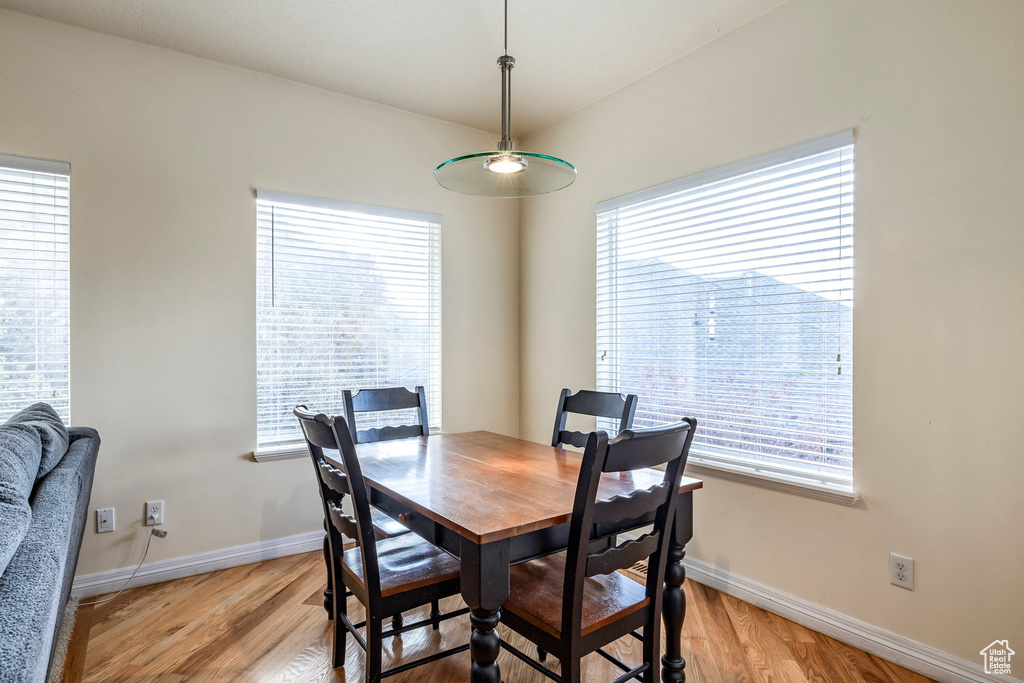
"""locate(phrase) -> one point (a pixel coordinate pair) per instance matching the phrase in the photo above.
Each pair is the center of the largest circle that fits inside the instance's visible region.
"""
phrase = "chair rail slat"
(632, 506)
(344, 523)
(622, 556)
(333, 478)
(388, 433)
(577, 439)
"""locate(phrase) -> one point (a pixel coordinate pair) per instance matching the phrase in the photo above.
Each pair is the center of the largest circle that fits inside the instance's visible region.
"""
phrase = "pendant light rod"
(506, 63)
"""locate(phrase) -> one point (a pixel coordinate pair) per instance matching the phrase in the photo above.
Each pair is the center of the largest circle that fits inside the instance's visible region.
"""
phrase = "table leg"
(673, 597)
(484, 582)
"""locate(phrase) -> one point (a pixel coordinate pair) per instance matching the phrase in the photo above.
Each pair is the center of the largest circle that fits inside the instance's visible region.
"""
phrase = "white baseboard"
(88, 585)
(910, 654)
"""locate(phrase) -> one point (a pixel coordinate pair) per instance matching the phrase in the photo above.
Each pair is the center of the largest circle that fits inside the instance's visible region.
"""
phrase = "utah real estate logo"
(997, 657)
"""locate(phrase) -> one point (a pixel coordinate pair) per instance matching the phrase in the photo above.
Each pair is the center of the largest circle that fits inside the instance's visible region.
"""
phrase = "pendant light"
(505, 172)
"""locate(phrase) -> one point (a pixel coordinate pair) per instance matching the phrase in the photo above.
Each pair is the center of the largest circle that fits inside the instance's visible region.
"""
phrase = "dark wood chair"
(387, 576)
(575, 602)
(621, 407)
(381, 400)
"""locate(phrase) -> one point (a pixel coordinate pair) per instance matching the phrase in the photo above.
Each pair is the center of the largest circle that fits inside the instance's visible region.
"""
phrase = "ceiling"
(433, 57)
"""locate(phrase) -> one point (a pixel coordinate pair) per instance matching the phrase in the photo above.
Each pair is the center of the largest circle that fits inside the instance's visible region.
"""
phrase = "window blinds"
(728, 297)
(34, 316)
(348, 297)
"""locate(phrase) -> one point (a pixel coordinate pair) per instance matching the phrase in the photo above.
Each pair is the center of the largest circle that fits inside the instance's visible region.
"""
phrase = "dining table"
(494, 501)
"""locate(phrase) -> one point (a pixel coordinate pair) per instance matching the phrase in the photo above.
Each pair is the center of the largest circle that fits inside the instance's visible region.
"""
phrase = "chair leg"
(652, 650)
(542, 654)
(570, 669)
(397, 621)
(435, 614)
(374, 649)
(329, 591)
(340, 605)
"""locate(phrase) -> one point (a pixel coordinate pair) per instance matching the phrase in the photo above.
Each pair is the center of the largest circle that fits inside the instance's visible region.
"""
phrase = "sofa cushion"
(20, 451)
(30, 589)
(52, 432)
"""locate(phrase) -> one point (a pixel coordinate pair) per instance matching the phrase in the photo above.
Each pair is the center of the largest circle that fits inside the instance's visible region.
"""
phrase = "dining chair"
(382, 400)
(621, 407)
(379, 401)
(576, 602)
(387, 576)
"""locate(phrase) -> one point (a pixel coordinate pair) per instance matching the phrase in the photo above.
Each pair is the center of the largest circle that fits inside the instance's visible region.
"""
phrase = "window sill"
(294, 451)
(290, 452)
(831, 493)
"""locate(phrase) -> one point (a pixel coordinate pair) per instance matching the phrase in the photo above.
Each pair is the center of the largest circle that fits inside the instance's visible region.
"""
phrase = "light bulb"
(505, 164)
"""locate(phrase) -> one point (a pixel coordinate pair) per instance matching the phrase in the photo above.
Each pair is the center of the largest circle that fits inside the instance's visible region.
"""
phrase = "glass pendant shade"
(505, 172)
(495, 174)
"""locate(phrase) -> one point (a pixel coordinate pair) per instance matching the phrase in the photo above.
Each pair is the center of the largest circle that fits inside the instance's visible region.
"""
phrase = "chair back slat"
(635, 505)
(333, 478)
(596, 403)
(344, 523)
(629, 453)
(577, 439)
(621, 407)
(587, 553)
(333, 434)
(319, 435)
(381, 400)
(392, 398)
(388, 433)
(622, 556)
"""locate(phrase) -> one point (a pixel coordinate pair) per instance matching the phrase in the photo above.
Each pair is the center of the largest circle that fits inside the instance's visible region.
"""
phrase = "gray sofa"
(46, 473)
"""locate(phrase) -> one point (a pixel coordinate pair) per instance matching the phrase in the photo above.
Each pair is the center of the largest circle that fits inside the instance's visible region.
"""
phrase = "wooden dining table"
(494, 501)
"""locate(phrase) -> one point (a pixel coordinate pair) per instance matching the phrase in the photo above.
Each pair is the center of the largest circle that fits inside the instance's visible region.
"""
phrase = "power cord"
(153, 532)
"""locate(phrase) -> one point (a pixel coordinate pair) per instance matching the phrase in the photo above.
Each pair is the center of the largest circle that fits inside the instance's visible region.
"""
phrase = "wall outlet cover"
(901, 571)
(104, 520)
(154, 513)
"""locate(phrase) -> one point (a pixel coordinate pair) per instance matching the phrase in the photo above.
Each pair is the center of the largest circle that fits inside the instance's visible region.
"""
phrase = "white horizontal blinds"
(731, 301)
(346, 299)
(34, 326)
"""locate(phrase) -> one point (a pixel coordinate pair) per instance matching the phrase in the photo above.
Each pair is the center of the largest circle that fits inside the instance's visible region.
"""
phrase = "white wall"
(935, 91)
(165, 152)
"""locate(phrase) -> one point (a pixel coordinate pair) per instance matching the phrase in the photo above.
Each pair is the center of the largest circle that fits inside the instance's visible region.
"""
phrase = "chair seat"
(536, 596)
(386, 527)
(406, 562)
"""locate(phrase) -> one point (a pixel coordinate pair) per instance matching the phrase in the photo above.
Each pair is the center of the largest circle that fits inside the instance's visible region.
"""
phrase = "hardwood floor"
(265, 622)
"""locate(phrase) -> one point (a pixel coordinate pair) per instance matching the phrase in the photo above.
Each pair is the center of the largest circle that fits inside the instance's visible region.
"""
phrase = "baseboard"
(88, 585)
(924, 659)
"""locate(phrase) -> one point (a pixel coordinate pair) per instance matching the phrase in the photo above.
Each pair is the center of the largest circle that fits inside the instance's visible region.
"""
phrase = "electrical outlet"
(104, 520)
(154, 512)
(901, 571)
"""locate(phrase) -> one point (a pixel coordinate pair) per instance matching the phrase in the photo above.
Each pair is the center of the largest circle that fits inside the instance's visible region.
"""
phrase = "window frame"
(804, 483)
(61, 243)
(435, 222)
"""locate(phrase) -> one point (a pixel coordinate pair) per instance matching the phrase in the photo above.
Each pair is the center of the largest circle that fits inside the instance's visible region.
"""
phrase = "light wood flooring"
(265, 622)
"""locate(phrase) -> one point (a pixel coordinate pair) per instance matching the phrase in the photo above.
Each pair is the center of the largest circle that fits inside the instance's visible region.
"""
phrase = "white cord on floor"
(123, 588)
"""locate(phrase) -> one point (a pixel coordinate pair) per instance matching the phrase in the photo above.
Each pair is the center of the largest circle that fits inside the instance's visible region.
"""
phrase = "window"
(34, 330)
(728, 297)
(348, 297)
